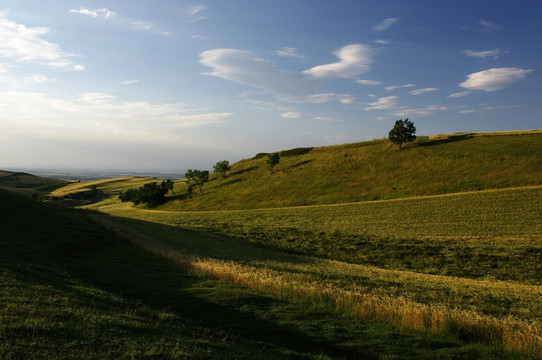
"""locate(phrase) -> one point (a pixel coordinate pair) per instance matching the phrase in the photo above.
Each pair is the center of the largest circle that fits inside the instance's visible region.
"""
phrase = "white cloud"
(393, 87)
(244, 68)
(354, 60)
(195, 12)
(290, 115)
(419, 112)
(383, 103)
(103, 12)
(383, 42)
(141, 25)
(287, 51)
(97, 116)
(459, 94)
(385, 24)
(488, 26)
(326, 119)
(38, 78)
(494, 53)
(422, 91)
(369, 82)
(129, 82)
(494, 79)
(22, 44)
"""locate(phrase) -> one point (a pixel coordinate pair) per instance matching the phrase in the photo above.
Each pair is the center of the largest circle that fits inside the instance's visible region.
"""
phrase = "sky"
(170, 85)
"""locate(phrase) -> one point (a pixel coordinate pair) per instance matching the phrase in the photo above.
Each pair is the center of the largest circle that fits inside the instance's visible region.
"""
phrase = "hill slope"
(29, 184)
(373, 170)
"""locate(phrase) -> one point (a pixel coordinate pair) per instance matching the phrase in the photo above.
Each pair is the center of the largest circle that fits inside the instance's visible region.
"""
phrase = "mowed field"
(443, 259)
(469, 263)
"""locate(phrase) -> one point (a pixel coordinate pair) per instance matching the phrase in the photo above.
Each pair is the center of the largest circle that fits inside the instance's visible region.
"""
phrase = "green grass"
(493, 234)
(72, 288)
(375, 170)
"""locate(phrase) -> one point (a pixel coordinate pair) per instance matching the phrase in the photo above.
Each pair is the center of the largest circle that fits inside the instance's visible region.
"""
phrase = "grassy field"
(374, 170)
(467, 264)
(444, 261)
(73, 285)
(28, 184)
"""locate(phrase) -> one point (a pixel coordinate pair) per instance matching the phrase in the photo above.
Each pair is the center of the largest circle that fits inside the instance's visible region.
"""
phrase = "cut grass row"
(496, 313)
(485, 236)
(70, 288)
(488, 234)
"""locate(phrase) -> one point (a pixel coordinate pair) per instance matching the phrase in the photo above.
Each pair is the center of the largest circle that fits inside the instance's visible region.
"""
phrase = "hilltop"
(364, 171)
(29, 184)
(374, 170)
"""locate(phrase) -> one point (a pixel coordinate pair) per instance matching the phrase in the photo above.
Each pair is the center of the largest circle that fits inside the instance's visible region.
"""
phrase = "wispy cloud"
(287, 51)
(488, 26)
(291, 115)
(369, 82)
(244, 68)
(494, 53)
(385, 24)
(494, 79)
(384, 103)
(141, 25)
(326, 119)
(383, 42)
(102, 12)
(393, 87)
(129, 82)
(419, 112)
(105, 13)
(99, 115)
(194, 12)
(459, 94)
(422, 91)
(354, 60)
(22, 44)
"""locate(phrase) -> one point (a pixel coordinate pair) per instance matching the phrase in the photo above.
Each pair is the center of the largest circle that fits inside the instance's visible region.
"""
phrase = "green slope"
(374, 170)
(70, 288)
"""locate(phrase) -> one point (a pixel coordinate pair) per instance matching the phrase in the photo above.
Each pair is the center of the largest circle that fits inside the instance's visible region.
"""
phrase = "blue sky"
(170, 85)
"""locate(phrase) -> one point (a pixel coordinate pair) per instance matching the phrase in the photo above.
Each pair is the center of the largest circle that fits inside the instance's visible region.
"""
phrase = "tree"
(196, 177)
(222, 167)
(402, 132)
(272, 160)
(151, 194)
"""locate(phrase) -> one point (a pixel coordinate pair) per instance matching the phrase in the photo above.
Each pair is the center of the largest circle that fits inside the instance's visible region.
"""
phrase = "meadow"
(466, 264)
(72, 288)
(373, 170)
(356, 250)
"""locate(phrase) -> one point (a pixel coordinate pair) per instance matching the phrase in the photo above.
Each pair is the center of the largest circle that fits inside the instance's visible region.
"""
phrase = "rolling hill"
(374, 170)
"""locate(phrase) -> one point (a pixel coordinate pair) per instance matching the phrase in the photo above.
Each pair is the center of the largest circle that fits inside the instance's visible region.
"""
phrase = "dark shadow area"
(228, 182)
(449, 139)
(243, 171)
(301, 164)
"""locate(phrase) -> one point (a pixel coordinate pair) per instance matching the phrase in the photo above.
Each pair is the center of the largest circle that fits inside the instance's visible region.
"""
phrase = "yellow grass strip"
(268, 276)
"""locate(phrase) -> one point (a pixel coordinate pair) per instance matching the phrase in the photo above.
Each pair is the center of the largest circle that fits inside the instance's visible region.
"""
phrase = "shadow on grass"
(239, 172)
(448, 139)
(301, 164)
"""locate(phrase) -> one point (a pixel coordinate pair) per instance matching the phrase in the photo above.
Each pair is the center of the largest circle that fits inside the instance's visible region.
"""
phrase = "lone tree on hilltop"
(402, 132)
(272, 160)
(222, 167)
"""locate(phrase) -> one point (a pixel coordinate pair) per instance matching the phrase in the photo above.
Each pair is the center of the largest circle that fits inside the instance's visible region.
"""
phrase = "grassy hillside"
(374, 170)
(73, 285)
(29, 184)
(466, 264)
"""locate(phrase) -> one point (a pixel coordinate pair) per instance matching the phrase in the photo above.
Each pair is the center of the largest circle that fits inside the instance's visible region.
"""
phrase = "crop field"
(464, 264)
